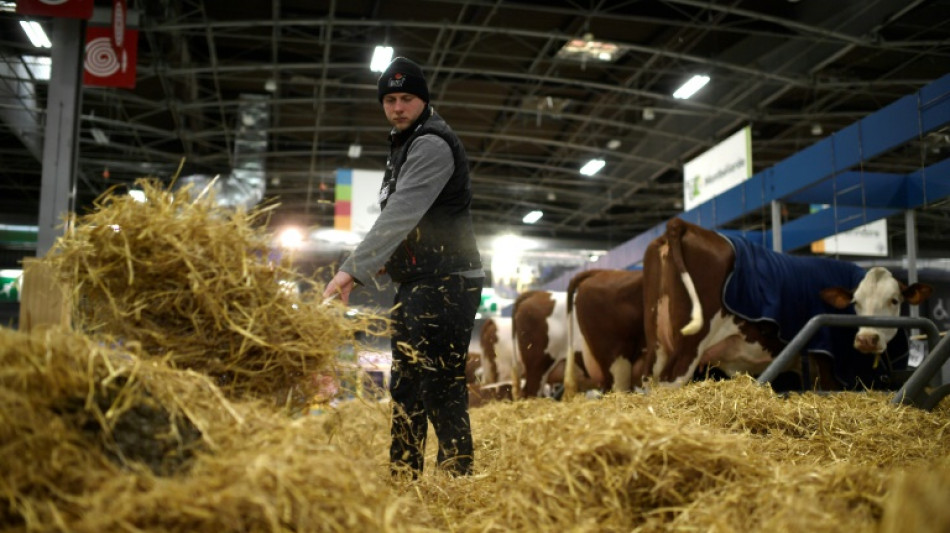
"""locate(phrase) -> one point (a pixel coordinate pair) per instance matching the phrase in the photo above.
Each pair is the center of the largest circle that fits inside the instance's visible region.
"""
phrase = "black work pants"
(432, 327)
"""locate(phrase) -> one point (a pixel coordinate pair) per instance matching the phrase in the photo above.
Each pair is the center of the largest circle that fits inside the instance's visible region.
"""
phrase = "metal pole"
(61, 136)
(776, 226)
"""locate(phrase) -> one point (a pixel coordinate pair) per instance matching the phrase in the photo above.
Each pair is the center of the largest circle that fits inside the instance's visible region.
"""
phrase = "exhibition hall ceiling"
(529, 108)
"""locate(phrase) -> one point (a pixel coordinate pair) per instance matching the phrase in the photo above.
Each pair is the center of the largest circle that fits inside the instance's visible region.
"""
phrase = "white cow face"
(878, 294)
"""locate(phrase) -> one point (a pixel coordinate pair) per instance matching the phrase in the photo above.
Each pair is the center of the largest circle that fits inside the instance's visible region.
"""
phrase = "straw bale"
(200, 286)
(222, 465)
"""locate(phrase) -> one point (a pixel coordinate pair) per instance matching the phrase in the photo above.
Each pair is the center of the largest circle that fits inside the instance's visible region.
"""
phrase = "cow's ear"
(916, 293)
(837, 297)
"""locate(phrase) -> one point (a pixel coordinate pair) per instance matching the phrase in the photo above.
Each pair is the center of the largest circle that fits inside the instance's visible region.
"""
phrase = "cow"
(496, 340)
(607, 308)
(706, 306)
(539, 322)
(494, 362)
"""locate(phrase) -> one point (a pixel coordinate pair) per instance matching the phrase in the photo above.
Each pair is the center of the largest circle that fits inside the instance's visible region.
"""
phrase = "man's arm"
(428, 167)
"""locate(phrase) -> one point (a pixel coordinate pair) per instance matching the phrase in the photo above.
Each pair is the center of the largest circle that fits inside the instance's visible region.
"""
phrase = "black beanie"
(403, 76)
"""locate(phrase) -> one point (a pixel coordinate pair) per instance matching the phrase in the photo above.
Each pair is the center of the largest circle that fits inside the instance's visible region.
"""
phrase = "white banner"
(718, 169)
(867, 240)
(364, 207)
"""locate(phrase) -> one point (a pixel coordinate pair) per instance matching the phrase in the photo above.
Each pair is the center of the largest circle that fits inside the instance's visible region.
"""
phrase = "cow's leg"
(556, 373)
(621, 374)
(534, 369)
(639, 370)
(822, 373)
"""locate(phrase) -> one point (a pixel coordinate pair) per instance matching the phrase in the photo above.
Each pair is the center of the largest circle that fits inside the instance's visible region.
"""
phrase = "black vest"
(443, 242)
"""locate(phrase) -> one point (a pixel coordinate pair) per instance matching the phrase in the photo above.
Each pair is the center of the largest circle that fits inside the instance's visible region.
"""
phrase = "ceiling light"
(270, 85)
(532, 217)
(99, 136)
(613, 144)
(355, 151)
(593, 167)
(816, 129)
(36, 34)
(508, 244)
(290, 238)
(690, 88)
(587, 48)
(382, 56)
(336, 236)
(648, 113)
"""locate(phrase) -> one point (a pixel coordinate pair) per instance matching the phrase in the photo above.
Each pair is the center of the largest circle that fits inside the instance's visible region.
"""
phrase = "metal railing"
(913, 391)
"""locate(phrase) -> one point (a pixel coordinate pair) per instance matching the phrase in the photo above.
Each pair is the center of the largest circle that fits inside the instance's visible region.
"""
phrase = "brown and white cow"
(539, 321)
(607, 308)
(495, 360)
(699, 294)
(495, 339)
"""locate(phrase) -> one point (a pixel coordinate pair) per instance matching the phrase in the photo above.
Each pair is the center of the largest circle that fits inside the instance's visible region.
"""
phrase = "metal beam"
(808, 172)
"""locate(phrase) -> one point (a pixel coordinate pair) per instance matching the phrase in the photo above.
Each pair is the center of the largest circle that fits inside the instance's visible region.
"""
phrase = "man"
(424, 240)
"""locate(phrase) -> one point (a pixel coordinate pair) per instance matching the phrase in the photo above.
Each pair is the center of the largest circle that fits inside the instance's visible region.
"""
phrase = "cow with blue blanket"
(717, 301)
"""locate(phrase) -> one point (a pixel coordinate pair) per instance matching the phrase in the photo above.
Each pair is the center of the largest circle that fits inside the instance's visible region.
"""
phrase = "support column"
(910, 228)
(776, 226)
(61, 135)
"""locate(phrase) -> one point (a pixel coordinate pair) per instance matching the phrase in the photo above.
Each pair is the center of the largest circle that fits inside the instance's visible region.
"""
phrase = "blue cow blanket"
(785, 290)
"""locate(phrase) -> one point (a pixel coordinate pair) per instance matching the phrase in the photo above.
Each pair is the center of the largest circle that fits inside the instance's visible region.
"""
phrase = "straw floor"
(95, 439)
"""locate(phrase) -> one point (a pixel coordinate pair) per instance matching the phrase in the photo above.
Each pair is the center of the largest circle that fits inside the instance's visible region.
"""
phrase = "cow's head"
(878, 294)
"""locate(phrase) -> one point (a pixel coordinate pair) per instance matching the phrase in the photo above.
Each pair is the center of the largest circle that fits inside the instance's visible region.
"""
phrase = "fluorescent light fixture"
(19, 227)
(532, 217)
(593, 167)
(382, 56)
(36, 34)
(355, 151)
(99, 136)
(690, 88)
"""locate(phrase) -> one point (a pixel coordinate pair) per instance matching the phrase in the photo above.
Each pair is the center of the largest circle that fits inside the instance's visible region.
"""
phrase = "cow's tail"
(675, 230)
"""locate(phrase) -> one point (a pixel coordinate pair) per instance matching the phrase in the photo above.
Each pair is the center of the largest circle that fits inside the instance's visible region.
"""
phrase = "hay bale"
(72, 461)
(200, 286)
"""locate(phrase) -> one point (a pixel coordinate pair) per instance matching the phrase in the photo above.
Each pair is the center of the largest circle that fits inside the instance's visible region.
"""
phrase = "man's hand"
(340, 285)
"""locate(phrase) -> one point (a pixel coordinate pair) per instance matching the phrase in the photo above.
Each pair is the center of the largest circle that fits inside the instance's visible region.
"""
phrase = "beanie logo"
(397, 80)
